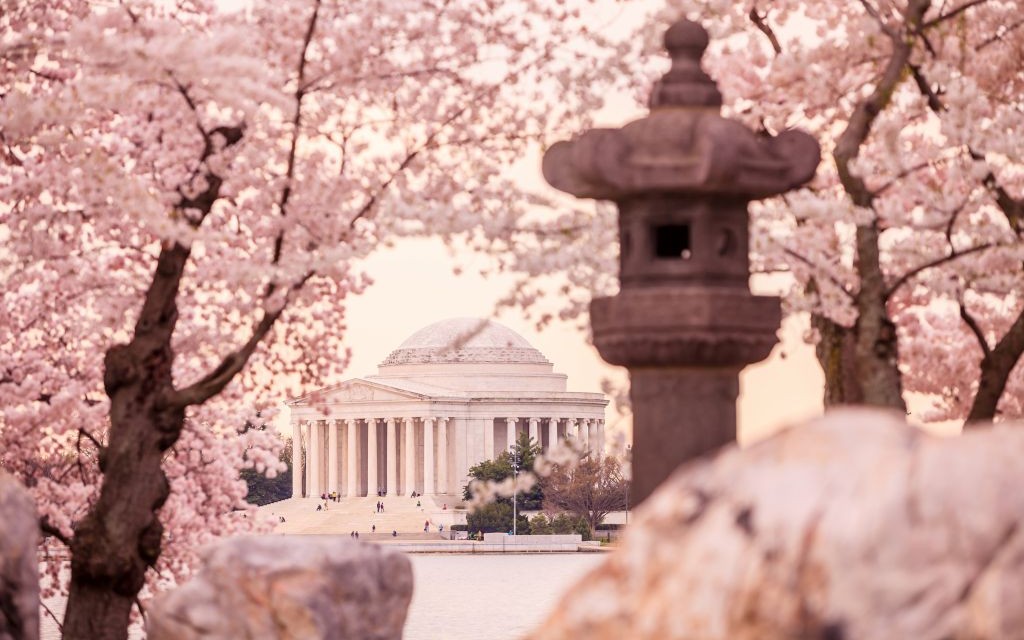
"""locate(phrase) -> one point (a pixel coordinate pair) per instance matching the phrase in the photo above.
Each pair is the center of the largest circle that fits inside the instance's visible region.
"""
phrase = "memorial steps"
(358, 514)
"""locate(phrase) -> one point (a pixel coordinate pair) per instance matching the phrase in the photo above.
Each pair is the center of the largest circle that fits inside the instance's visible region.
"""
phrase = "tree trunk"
(835, 351)
(996, 367)
(119, 539)
(876, 354)
(861, 363)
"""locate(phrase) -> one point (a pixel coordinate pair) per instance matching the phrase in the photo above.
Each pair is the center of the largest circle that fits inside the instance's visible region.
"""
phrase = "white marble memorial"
(454, 394)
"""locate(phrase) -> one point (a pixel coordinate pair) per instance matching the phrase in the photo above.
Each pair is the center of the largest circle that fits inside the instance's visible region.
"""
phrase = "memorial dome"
(465, 340)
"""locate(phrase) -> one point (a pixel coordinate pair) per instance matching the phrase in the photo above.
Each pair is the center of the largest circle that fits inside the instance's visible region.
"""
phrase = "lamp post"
(629, 481)
(515, 488)
(684, 321)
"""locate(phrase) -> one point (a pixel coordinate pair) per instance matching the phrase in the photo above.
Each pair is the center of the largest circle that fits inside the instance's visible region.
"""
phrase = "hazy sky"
(414, 286)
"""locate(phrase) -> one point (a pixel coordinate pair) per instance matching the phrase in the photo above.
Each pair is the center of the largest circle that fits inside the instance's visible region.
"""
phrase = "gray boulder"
(19, 564)
(288, 587)
(854, 526)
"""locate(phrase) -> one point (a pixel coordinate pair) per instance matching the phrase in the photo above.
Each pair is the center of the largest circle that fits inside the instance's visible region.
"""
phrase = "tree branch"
(975, 328)
(215, 381)
(999, 35)
(859, 127)
(760, 21)
(952, 14)
(835, 281)
(1012, 208)
(902, 280)
(410, 156)
(300, 92)
(49, 530)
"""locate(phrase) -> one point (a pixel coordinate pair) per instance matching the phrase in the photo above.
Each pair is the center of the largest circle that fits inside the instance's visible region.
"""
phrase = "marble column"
(410, 457)
(428, 456)
(307, 433)
(297, 468)
(510, 433)
(534, 432)
(552, 432)
(489, 439)
(464, 452)
(584, 426)
(392, 454)
(371, 457)
(353, 468)
(442, 455)
(317, 452)
(332, 455)
(570, 428)
(599, 434)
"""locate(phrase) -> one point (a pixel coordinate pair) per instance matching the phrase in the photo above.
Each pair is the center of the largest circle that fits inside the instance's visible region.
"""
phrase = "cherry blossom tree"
(906, 249)
(187, 190)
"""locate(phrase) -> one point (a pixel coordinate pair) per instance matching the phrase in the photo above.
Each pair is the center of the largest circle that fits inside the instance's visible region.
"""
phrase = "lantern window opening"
(672, 241)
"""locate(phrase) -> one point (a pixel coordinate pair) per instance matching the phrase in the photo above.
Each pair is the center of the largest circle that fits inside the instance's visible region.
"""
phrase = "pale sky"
(415, 286)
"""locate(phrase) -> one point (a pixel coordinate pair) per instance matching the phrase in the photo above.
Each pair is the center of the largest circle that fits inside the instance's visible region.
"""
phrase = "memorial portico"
(454, 394)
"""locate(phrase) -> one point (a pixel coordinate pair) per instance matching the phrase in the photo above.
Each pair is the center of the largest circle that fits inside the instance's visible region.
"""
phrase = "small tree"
(525, 452)
(590, 490)
(496, 516)
(263, 489)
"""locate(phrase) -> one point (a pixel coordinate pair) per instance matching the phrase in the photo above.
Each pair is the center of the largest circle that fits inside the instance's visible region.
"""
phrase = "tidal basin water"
(496, 597)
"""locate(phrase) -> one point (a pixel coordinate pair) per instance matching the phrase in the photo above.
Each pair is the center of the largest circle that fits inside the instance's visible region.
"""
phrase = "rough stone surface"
(289, 587)
(854, 526)
(19, 565)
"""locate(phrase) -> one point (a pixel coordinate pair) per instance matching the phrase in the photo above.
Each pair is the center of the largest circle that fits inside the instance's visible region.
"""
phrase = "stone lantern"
(684, 322)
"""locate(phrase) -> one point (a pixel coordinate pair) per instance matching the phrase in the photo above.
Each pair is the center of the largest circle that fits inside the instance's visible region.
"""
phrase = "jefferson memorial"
(453, 394)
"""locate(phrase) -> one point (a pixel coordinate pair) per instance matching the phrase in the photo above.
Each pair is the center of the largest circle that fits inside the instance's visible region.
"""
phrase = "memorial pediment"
(361, 390)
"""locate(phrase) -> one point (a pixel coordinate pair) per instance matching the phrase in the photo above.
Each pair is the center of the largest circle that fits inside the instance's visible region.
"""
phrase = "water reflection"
(493, 596)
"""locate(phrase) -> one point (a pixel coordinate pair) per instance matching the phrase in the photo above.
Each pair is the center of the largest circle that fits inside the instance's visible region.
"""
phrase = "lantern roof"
(684, 145)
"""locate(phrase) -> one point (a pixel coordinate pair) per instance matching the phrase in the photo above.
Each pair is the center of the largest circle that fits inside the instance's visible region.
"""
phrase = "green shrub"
(496, 517)
(540, 525)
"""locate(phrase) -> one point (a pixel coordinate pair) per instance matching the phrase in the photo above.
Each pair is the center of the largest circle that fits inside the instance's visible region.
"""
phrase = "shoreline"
(461, 547)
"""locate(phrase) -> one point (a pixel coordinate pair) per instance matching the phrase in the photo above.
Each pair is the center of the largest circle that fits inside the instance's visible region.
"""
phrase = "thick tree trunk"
(996, 367)
(835, 351)
(876, 354)
(119, 539)
(861, 363)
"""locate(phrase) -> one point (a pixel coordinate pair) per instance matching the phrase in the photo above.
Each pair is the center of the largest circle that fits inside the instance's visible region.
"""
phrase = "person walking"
(373, 529)
(426, 526)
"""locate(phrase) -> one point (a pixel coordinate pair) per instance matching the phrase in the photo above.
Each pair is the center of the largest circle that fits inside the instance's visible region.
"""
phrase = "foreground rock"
(19, 566)
(855, 526)
(289, 587)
